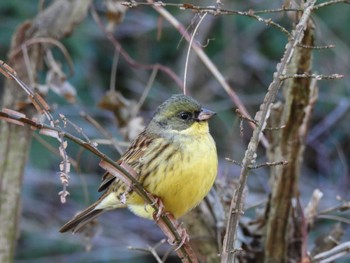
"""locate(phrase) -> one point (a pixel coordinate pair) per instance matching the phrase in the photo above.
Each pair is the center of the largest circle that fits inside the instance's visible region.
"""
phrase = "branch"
(332, 254)
(237, 202)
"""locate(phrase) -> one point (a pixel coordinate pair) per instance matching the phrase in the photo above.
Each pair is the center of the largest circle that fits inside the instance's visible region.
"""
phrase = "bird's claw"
(183, 235)
(160, 211)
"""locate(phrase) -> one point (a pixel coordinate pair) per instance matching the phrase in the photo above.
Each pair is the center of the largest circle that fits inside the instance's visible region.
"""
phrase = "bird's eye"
(185, 115)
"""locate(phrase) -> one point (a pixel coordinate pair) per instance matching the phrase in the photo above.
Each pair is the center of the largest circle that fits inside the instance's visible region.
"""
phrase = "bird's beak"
(205, 114)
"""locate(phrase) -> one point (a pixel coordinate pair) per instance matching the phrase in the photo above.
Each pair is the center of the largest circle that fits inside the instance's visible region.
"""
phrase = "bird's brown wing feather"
(80, 220)
(110, 184)
(131, 157)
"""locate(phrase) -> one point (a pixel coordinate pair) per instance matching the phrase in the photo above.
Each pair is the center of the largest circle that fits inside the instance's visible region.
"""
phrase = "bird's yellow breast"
(184, 175)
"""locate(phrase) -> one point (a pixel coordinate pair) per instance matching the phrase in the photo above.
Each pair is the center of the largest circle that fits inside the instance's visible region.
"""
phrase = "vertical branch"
(285, 229)
(236, 208)
(57, 21)
(14, 144)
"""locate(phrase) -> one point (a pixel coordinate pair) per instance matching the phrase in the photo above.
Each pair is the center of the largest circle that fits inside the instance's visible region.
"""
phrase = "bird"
(175, 158)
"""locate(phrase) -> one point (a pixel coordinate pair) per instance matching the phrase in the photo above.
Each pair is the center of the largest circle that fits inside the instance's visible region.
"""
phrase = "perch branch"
(166, 223)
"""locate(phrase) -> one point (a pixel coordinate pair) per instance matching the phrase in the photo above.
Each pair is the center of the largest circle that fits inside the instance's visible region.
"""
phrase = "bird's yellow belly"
(181, 181)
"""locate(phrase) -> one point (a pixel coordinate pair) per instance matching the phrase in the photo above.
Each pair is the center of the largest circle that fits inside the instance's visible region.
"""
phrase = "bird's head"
(181, 114)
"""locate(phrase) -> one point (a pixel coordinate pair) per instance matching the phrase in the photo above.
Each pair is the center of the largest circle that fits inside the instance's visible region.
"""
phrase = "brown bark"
(57, 21)
(285, 224)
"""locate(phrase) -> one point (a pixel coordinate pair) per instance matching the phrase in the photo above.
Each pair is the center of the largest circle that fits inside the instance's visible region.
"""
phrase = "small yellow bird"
(175, 158)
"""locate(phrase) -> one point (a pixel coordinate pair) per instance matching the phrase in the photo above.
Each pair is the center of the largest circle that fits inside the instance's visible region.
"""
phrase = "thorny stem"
(237, 202)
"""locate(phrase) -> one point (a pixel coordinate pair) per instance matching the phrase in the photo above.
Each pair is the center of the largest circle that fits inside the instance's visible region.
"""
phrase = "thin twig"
(342, 207)
(103, 131)
(215, 10)
(189, 50)
(152, 250)
(335, 218)
(145, 91)
(332, 254)
(312, 76)
(112, 84)
(268, 164)
(257, 166)
(46, 40)
(76, 127)
(233, 161)
(28, 66)
(333, 2)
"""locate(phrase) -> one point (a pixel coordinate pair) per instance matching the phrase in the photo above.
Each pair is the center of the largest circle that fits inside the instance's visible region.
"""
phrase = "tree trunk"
(285, 233)
(56, 21)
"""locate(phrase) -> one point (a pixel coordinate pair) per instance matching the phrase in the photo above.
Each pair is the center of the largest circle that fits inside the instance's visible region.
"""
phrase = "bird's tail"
(81, 219)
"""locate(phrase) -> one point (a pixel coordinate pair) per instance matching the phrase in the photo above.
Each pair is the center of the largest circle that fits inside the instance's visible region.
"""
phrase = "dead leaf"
(115, 13)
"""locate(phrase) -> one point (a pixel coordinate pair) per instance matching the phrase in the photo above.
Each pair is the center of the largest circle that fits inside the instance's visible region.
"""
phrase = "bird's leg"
(161, 206)
(185, 237)
(172, 240)
(179, 229)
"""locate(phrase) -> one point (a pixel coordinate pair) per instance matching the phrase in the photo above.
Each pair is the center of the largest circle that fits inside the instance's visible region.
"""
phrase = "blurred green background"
(246, 53)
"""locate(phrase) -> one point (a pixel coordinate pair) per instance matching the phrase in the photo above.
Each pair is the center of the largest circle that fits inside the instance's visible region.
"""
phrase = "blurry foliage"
(243, 49)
